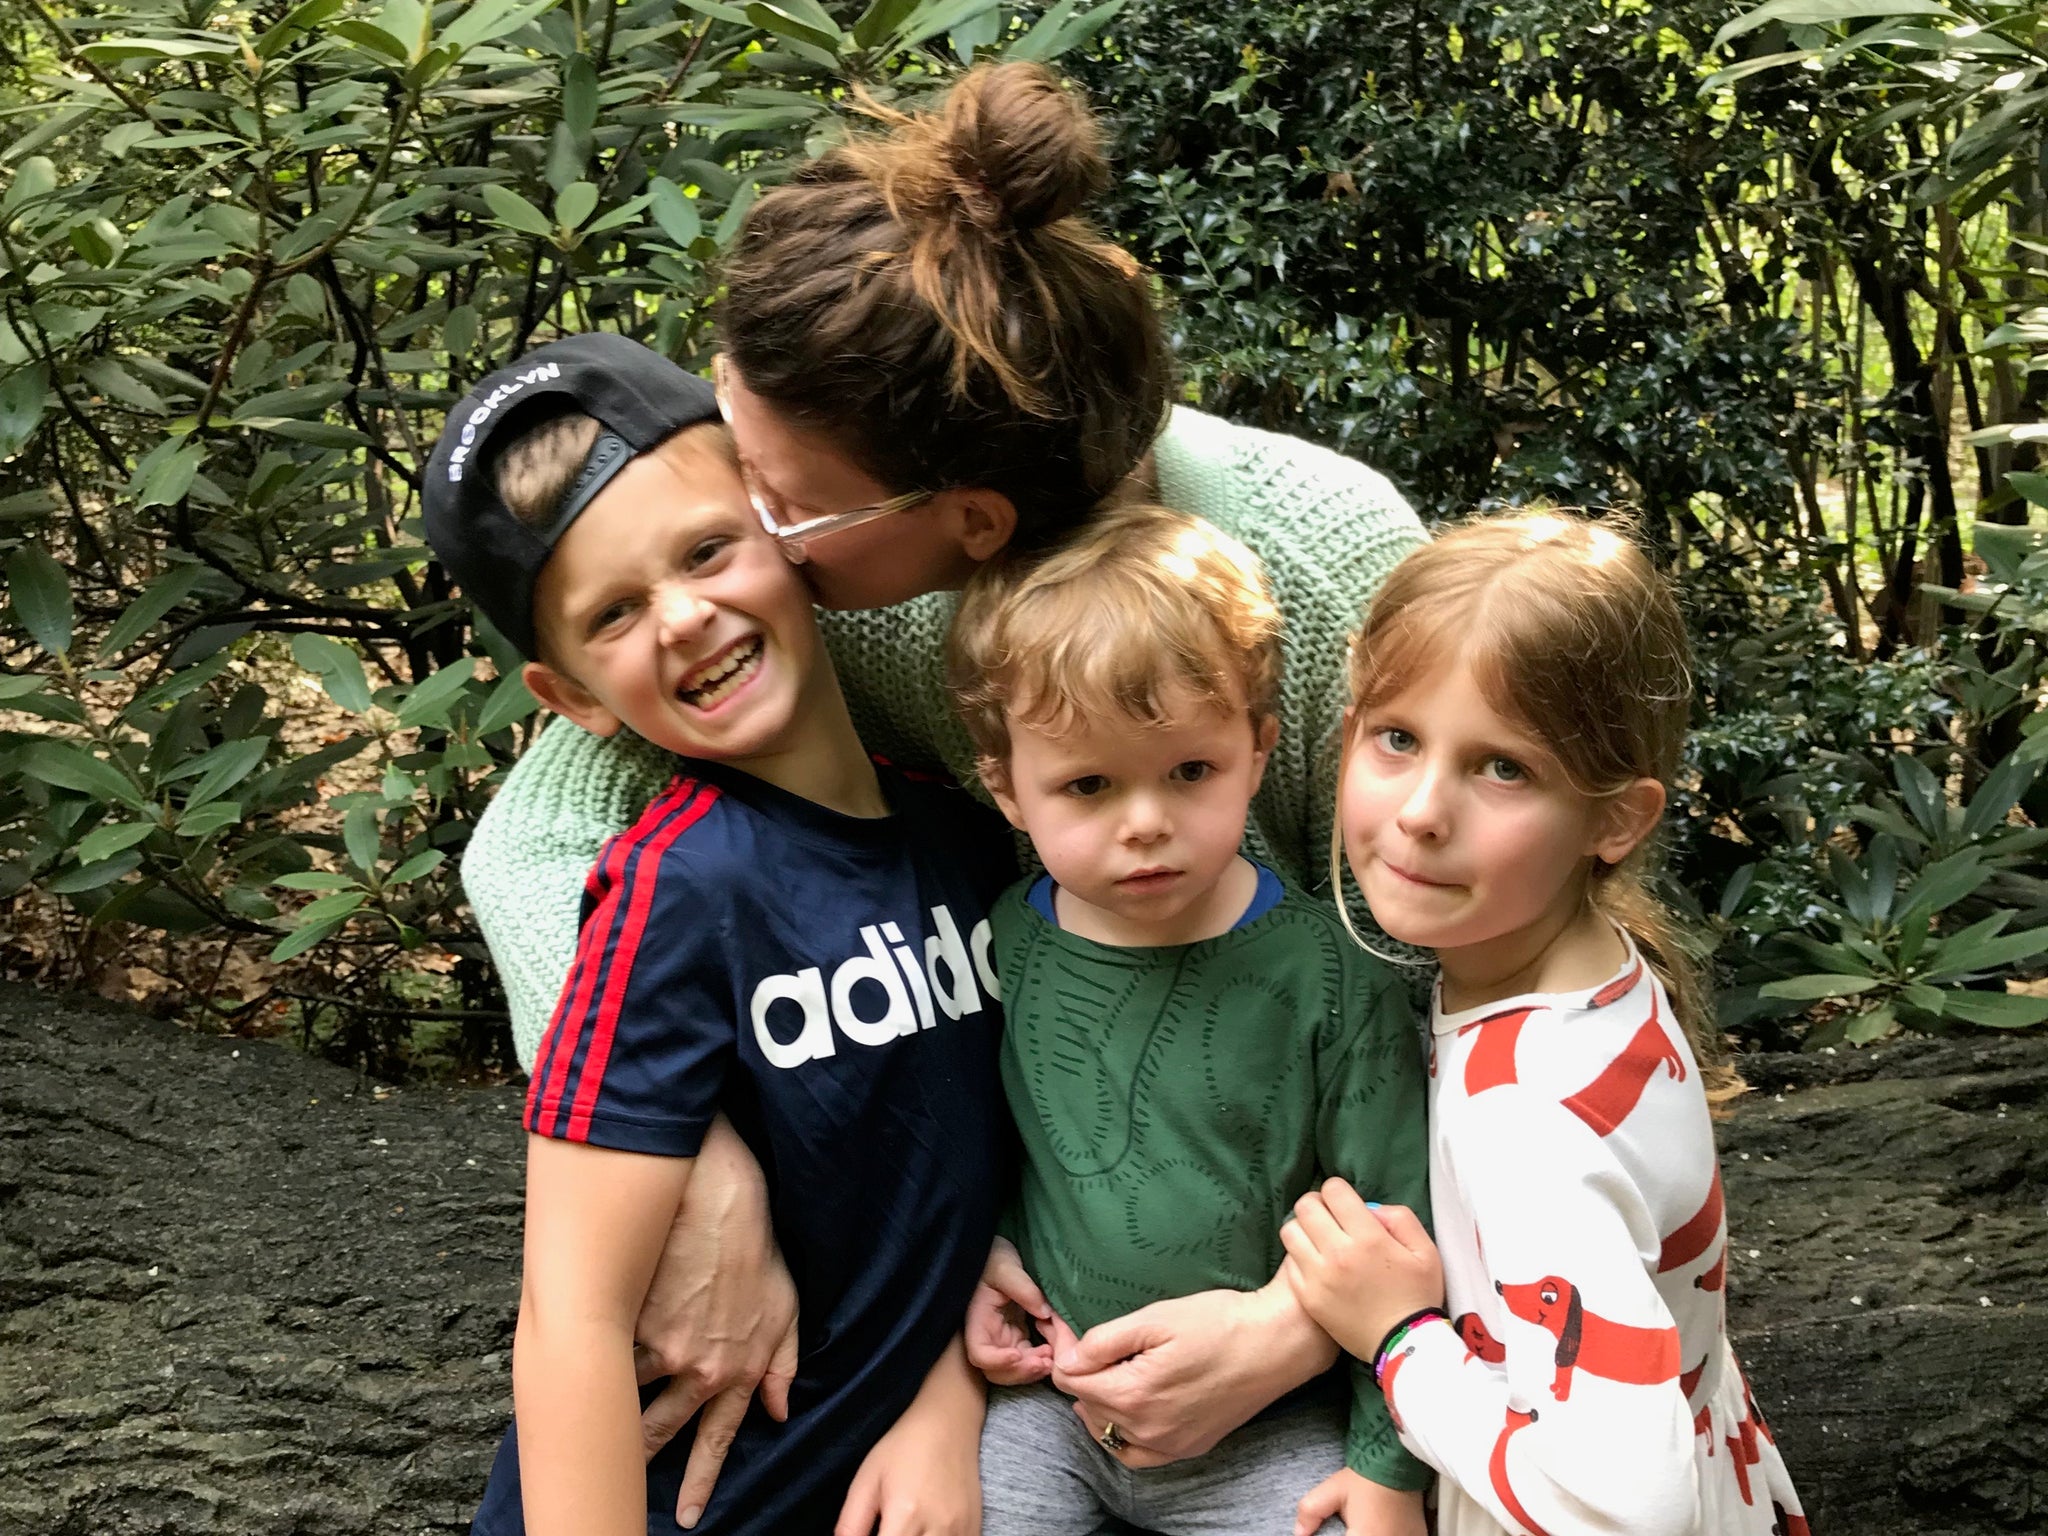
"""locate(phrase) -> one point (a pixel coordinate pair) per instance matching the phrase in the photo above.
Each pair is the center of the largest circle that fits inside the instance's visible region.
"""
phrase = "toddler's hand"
(1358, 1270)
(999, 1342)
(1365, 1507)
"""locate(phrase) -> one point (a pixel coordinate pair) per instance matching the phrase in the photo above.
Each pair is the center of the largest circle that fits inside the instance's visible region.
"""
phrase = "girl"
(1519, 697)
(932, 358)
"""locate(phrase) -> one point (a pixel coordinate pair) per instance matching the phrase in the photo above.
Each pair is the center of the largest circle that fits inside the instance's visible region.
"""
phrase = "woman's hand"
(1366, 1508)
(1359, 1269)
(923, 1478)
(999, 1342)
(720, 1317)
(1179, 1375)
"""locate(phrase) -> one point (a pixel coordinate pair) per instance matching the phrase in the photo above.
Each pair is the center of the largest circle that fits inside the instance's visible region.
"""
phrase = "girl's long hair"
(1571, 632)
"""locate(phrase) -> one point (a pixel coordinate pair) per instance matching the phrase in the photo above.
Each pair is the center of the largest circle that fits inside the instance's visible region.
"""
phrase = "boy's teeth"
(731, 671)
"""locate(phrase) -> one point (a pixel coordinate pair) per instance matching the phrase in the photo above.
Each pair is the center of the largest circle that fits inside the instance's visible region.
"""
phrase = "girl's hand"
(1358, 1270)
(923, 1478)
(999, 1342)
(1365, 1507)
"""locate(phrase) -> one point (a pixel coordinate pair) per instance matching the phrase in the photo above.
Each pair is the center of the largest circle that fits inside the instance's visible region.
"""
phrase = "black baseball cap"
(639, 399)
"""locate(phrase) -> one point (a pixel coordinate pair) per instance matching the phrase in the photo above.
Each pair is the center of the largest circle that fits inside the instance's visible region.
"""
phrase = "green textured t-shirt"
(1173, 1103)
(1327, 528)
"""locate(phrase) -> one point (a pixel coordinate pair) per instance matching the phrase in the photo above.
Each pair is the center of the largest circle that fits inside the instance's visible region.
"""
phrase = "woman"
(931, 360)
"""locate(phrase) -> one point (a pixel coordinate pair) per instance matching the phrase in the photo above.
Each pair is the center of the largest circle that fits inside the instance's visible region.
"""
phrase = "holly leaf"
(157, 599)
(430, 701)
(1811, 989)
(339, 669)
(675, 212)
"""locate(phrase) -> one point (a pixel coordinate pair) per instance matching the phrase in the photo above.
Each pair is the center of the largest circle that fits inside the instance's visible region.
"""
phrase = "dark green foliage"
(248, 257)
(1508, 251)
(1463, 241)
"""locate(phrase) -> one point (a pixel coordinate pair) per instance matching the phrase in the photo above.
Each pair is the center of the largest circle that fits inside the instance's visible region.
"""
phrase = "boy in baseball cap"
(789, 932)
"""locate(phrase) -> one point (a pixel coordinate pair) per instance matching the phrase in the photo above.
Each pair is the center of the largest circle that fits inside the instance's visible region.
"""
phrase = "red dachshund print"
(1788, 1523)
(1691, 1378)
(1492, 1062)
(1497, 1470)
(1478, 1341)
(1715, 1278)
(1693, 1239)
(1742, 1445)
(1588, 1342)
(1749, 1407)
(1703, 1421)
(1606, 1101)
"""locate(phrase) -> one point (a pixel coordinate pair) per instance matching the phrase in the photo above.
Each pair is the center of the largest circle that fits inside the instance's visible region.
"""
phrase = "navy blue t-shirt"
(826, 980)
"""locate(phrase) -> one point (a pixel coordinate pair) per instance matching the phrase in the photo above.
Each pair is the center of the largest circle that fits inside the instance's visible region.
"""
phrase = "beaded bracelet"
(1399, 1332)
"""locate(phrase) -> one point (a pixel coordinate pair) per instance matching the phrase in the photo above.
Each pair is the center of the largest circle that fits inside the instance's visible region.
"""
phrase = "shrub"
(248, 257)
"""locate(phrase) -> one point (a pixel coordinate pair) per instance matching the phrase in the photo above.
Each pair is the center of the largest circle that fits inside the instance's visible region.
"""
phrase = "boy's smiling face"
(1140, 825)
(665, 608)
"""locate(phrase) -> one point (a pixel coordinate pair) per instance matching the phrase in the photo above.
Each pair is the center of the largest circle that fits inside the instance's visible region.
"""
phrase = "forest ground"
(244, 1291)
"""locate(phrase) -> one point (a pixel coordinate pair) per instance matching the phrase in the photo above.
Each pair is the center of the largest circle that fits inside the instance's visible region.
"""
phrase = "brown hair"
(928, 298)
(1571, 632)
(1139, 604)
(537, 468)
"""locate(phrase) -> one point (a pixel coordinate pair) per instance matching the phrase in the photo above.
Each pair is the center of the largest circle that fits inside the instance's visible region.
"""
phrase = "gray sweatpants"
(1042, 1476)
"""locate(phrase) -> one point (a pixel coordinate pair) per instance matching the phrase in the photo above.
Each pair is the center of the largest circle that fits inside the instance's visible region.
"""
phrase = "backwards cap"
(639, 399)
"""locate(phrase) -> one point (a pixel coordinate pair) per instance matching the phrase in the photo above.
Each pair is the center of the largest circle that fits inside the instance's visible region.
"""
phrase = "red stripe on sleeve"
(558, 1046)
(646, 876)
(572, 1012)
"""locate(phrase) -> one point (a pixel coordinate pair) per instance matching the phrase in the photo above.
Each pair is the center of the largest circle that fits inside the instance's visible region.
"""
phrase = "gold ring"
(1111, 1439)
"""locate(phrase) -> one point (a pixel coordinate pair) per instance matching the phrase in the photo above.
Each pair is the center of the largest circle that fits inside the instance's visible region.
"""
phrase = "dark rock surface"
(242, 1292)
(1888, 1280)
(239, 1292)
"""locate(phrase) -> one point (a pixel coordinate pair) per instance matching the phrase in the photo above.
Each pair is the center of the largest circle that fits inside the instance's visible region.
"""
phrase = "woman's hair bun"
(930, 293)
(1023, 150)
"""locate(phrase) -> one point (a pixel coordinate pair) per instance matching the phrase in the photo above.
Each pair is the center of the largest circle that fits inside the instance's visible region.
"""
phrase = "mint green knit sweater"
(1327, 528)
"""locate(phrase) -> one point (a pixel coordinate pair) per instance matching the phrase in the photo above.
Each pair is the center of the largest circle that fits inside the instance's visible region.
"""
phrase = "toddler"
(1191, 1046)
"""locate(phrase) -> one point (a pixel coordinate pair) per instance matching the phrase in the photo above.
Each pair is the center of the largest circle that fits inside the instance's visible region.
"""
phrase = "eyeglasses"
(791, 537)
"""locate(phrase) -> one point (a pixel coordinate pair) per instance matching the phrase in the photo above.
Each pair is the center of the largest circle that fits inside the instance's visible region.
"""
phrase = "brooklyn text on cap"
(639, 399)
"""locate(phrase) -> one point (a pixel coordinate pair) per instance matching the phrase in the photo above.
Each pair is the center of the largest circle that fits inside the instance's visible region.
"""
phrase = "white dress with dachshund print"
(1585, 1381)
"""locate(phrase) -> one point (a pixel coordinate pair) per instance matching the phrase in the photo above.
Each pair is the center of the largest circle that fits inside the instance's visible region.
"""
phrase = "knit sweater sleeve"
(1328, 530)
(527, 861)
